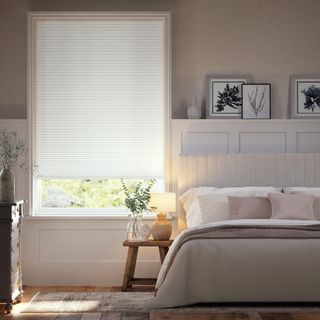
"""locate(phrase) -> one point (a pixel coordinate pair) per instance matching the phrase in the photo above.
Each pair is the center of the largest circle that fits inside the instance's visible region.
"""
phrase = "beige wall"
(268, 39)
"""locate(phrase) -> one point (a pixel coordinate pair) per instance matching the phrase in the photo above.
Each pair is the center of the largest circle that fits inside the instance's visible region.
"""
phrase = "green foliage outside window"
(77, 193)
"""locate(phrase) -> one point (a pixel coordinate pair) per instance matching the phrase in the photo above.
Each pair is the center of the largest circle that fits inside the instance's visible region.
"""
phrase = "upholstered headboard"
(247, 169)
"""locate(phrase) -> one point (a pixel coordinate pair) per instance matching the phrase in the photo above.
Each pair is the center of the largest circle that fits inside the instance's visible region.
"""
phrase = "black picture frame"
(305, 96)
(256, 98)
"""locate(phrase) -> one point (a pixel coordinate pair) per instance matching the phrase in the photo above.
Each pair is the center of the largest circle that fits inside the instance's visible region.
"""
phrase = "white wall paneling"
(262, 142)
(242, 136)
(80, 251)
(308, 141)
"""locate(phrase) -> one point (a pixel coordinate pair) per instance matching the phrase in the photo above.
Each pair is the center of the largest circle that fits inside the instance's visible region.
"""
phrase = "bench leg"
(130, 267)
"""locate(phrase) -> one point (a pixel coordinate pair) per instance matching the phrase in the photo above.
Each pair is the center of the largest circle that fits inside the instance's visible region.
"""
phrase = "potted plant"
(137, 199)
(11, 150)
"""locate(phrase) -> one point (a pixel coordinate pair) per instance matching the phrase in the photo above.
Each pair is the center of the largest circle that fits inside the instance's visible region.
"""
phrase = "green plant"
(11, 149)
(138, 199)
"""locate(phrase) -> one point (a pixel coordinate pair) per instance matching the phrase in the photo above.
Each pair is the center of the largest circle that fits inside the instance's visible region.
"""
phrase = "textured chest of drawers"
(10, 253)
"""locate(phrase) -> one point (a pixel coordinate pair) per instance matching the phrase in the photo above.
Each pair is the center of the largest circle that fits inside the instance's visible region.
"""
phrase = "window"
(99, 107)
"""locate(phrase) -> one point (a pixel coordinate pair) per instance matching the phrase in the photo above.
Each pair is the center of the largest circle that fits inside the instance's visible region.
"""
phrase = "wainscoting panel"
(262, 142)
(69, 244)
(199, 142)
(308, 141)
(82, 251)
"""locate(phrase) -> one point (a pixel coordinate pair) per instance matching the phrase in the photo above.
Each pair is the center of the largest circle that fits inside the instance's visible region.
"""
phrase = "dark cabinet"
(10, 253)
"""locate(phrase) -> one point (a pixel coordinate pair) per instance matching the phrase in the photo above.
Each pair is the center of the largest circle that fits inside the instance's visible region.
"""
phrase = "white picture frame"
(219, 105)
(305, 96)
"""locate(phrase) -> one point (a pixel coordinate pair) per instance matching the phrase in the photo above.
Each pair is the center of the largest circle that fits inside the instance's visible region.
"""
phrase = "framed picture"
(224, 96)
(256, 101)
(305, 102)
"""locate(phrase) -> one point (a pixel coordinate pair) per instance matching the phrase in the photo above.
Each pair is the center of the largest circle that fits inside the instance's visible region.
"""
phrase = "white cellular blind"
(99, 96)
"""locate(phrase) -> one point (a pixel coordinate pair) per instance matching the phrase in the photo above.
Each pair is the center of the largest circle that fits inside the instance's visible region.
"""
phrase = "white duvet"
(241, 270)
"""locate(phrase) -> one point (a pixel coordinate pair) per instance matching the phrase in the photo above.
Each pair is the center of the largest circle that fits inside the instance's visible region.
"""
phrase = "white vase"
(194, 111)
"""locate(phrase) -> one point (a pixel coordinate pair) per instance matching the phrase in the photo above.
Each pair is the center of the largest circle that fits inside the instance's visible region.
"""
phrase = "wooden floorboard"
(253, 314)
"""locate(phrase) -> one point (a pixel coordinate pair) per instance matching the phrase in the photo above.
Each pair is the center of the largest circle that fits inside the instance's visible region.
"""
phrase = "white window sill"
(90, 217)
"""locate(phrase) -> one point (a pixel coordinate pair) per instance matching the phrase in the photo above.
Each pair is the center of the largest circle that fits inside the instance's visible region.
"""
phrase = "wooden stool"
(128, 278)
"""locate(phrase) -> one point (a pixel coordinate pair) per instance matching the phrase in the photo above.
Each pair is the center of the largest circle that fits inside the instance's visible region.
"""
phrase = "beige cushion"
(289, 206)
(311, 191)
(249, 207)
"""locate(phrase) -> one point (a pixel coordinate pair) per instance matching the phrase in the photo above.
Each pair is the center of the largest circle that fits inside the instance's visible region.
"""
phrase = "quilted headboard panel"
(247, 169)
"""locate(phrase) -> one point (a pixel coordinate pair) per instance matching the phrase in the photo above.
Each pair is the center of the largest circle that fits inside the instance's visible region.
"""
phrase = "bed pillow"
(311, 191)
(249, 207)
(214, 207)
(289, 206)
(191, 206)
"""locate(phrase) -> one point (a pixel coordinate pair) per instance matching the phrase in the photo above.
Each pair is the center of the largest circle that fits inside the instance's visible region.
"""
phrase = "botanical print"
(226, 97)
(308, 97)
(256, 101)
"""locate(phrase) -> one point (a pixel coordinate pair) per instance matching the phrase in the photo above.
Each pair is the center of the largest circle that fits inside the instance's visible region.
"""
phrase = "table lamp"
(162, 202)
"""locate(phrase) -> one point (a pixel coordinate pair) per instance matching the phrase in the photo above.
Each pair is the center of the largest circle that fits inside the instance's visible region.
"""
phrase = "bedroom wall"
(266, 39)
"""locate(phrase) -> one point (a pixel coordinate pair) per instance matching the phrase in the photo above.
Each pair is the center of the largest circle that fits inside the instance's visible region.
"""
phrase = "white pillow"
(308, 191)
(303, 190)
(214, 205)
(190, 205)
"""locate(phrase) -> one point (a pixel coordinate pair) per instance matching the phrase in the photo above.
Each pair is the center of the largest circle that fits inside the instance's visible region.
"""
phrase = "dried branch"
(257, 106)
(11, 148)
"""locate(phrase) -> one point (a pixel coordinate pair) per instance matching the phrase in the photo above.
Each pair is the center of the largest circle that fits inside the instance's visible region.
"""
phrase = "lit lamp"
(162, 202)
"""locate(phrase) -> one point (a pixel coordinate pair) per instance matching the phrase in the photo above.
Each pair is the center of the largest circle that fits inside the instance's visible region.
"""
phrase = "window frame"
(32, 18)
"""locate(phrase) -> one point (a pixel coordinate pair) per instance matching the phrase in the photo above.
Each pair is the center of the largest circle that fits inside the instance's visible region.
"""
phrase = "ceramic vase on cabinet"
(7, 186)
(194, 111)
(161, 229)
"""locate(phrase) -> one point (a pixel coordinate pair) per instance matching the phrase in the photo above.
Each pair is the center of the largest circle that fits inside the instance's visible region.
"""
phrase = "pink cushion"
(249, 207)
(288, 206)
(311, 191)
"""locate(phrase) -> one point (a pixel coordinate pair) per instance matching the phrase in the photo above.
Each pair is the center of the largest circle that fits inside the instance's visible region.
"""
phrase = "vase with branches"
(12, 154)
(137, 198)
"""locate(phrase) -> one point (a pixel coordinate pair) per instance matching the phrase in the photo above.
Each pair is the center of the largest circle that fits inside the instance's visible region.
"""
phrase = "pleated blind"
(100, 96)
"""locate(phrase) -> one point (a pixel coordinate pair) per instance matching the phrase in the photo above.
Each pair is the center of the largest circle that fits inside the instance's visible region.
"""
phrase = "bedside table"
(133, 246)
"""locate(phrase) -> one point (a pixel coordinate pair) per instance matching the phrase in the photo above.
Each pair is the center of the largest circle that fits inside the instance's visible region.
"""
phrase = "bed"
(245, 260)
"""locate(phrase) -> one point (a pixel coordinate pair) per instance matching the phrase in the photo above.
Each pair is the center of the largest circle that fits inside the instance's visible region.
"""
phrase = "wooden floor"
(280, 314)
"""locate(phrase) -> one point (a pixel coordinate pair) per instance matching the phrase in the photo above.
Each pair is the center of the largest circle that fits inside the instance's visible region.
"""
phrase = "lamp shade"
(163, 201)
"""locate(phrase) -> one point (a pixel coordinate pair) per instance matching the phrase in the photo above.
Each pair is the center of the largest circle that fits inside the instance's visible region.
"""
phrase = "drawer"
(15, 281)
(15, 227)
(15, 211)
(15, 245)
(15, 264)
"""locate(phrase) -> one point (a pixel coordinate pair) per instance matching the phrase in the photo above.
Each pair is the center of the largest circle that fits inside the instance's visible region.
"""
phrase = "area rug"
(65, 302)
(134, 302)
